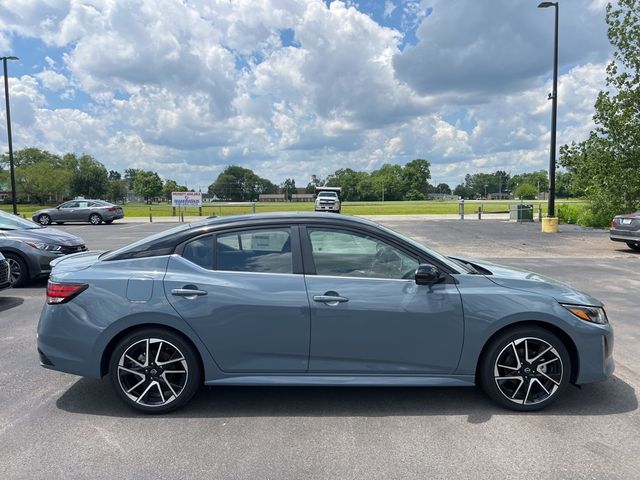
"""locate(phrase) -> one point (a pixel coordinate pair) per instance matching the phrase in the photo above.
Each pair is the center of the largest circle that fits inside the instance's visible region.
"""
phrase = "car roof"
(282, 217)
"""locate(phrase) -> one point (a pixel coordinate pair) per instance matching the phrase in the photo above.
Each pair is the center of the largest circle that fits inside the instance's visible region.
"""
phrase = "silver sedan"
(83, 210)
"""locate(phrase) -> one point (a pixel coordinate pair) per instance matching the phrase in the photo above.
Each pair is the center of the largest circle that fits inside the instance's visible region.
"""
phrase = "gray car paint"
(37, 260)
(80, 214)
(75, 337)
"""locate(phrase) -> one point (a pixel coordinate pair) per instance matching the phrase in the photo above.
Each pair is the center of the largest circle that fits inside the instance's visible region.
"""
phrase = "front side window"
(349, 254)
(263, 250)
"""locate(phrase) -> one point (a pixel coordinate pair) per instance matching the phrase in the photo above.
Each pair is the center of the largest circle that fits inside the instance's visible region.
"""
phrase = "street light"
(6, 97)
(553, 96)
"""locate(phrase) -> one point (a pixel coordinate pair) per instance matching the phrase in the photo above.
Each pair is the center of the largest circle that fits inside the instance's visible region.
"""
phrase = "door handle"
(330, 299)
(188, 292)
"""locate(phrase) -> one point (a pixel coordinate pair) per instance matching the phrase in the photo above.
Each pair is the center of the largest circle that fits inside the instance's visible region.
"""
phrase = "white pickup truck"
(327, 201)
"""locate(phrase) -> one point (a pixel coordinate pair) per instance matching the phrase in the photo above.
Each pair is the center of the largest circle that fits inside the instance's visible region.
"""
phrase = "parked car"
(5, 272)
(29, 247)
(626, 228)
(93, 211)
(312, 299)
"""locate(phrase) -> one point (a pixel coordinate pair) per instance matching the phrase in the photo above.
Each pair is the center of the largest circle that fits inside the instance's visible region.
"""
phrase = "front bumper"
(595, 353)
(327, 208)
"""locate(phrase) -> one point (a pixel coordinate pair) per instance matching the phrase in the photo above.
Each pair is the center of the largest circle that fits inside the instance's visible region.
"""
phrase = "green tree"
(539, 178)
(130, 176)
(414, 195)
(495, 182)
(89, 178)
(389, 182)
(288, 188)
(443, 188)
(416, 175)
(606, 165)
(147, 184)
(564, 185)
(29, 156)
(116, 190)
(461, 191)
(114, 175)
(316, 181)
(237, 184)
(526, 191)
(42, 181)
(172, 186)
(348, 180)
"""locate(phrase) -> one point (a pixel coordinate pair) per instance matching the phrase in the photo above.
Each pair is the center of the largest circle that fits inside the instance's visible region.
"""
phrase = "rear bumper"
(617, 235)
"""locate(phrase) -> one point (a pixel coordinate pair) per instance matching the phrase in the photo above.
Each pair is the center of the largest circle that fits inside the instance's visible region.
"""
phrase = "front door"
(67, 211)
(239, 292)
(369, 316)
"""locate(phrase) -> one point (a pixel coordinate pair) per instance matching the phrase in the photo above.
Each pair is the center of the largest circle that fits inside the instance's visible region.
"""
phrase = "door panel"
(380, 320)
(390, 326)
(240, 294)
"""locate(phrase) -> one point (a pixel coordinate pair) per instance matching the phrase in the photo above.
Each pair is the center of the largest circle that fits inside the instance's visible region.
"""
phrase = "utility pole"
(11, 166)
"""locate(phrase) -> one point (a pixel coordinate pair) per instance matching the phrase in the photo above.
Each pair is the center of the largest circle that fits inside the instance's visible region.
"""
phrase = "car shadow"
(7, 303)
(95, 397)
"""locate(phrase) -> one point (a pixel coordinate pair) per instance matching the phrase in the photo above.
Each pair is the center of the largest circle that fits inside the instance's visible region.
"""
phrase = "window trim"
(294, 235)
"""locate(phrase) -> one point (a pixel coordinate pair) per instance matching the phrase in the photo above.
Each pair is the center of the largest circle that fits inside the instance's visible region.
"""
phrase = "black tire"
(172, 347)
(109, 222)
(95, 219)
(17, 264)
(634, 246)
(44, 219)
(544, 379)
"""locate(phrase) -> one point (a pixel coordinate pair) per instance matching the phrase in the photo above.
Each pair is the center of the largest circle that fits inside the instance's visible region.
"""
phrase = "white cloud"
(189, 87)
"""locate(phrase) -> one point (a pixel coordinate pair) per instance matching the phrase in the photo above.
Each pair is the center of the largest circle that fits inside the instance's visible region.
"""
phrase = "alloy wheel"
(528, 371)
(152, 372)
(95, 219)
(15, 270)
(44, 220)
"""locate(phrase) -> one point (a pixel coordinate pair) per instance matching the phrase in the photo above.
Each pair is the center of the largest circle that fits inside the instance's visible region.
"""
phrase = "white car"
(327, 201)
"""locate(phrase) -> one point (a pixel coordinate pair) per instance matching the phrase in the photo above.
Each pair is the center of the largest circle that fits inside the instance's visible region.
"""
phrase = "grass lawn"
(349, 208)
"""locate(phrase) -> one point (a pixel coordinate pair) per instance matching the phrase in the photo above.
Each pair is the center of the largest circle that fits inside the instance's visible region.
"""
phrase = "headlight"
(588, 314)
(45, 246)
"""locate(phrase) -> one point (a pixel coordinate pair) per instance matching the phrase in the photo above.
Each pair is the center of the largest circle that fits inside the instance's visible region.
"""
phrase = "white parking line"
(132, 226)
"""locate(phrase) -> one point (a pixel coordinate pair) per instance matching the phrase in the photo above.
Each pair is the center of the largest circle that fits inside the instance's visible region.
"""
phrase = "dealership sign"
(186, 199)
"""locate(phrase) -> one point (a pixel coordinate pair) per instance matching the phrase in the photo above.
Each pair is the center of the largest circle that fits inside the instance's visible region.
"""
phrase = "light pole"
(553, 96)
(6, 97)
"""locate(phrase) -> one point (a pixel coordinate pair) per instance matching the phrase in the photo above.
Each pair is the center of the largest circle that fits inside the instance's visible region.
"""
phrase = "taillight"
(111, 209)
(63, 292)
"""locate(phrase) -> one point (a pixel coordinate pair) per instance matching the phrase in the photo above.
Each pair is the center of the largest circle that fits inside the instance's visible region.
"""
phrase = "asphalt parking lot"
(54, 425)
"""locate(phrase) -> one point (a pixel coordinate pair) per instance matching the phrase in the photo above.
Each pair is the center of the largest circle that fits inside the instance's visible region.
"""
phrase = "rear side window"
(263, 250)
(200, 251)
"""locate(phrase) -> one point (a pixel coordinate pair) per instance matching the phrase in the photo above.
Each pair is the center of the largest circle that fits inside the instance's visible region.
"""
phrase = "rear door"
(81, 213)
(244, 293)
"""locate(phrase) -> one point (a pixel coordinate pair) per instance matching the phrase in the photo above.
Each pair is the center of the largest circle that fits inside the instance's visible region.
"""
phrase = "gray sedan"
(626, 228)
(29, 248)
(83, 210)
(314, 299)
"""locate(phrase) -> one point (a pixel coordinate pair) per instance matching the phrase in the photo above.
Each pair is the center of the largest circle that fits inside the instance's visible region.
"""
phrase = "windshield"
(455, 266)
(328, 194)
(13, 222)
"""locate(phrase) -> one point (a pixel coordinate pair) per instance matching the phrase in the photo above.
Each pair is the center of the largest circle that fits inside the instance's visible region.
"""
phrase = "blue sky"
(292, 88)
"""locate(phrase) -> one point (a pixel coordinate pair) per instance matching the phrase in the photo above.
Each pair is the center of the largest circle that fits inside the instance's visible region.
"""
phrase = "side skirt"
(348, 380)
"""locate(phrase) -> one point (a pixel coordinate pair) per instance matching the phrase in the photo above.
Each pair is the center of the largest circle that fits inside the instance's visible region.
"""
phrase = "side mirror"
(427, 274)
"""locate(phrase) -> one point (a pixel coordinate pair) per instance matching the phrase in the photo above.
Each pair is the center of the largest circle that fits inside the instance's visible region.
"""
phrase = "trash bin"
(521, 213)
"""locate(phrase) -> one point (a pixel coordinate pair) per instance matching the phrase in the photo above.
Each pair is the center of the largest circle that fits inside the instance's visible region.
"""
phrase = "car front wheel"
(525, 369)
(44, 219)
(19, 273)
(155, 371)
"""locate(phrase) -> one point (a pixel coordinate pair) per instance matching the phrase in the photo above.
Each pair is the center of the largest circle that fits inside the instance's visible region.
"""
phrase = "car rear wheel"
(525, 369)
(95, 219)
(44, 219)
(634, 246)
(19, 272)
(155, 371)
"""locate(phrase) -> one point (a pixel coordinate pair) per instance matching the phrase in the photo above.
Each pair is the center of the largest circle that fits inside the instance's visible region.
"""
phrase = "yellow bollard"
(550, 225)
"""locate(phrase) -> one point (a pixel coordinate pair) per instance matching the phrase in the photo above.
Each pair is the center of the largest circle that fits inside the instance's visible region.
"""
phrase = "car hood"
(46, 235)
(517, 279)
